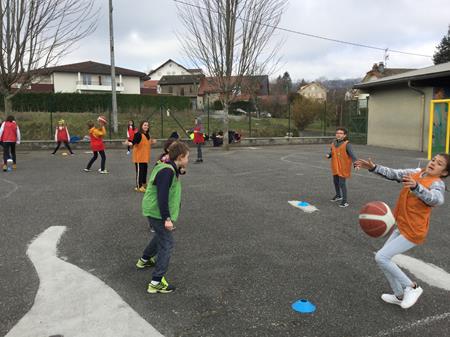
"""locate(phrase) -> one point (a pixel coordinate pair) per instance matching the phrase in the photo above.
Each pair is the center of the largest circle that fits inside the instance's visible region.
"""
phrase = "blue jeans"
(160, 245)
(396, 244)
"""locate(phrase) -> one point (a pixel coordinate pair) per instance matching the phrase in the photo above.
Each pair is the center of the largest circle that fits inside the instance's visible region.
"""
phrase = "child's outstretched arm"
(386, 172)
(434, 196)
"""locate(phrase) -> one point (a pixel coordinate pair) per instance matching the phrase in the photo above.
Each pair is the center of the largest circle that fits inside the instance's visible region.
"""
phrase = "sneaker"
(72, 154)
(336, 198)
(162, 287)
(142, 189)
(410, 296)
(344, 204)
(391, 299)
(14, 167)
(141, 264)
(128, 153)
(5, 168)
(104, 171)
(87, 170)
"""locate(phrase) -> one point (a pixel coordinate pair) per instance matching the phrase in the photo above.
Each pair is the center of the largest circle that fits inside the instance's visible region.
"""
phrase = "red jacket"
(10, 132)
(97, 139)
(62, 134)
(131, 132)
(198, 135)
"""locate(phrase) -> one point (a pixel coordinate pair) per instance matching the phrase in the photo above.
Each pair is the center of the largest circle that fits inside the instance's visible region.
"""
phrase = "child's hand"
(168, 224)
(366, 164)
(409, 182)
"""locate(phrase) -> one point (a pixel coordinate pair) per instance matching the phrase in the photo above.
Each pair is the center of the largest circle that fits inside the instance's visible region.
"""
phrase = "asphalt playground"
(242, 254)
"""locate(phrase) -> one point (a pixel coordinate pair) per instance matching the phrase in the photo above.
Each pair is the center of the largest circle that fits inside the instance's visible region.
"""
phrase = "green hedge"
(91, 102)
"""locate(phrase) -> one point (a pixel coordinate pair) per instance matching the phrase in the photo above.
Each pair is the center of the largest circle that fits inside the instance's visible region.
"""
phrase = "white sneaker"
(104, 171)
(410, 296)
(391, 299)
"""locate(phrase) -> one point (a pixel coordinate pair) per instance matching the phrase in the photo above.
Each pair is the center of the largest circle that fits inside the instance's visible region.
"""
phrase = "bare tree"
(229, 39)
(36, 34)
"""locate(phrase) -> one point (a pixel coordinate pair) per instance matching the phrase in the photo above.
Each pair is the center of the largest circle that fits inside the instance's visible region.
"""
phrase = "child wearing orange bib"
(422, 190)
(141, 144)
(342, 157)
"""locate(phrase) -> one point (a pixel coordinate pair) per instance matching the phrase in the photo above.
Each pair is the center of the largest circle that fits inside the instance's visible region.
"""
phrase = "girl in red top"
(199, 139)
(422, 190)
(62, 136)
(96, 134)
(9, 137)
(131, 131)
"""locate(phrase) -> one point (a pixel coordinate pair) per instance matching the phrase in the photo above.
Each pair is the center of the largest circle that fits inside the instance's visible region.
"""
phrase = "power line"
(318, 36)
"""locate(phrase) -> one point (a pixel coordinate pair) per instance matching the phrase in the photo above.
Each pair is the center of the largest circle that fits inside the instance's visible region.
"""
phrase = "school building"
(399, 109)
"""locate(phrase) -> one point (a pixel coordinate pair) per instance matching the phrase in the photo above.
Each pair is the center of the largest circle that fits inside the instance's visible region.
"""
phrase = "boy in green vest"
(161, 206)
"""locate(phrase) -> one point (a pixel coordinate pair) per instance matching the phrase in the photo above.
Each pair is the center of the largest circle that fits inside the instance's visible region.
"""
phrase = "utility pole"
(115, 123)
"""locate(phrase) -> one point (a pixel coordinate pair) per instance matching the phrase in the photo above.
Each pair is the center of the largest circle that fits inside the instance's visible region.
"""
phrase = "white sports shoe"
(391, 299)
(410, 296)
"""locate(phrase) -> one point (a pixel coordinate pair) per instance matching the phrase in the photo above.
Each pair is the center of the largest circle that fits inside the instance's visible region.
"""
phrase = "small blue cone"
(303, 204)
(303, 306)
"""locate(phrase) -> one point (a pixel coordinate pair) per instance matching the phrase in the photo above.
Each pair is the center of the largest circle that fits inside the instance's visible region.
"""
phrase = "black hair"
(447, 166)
(10, 118)
(132, 124)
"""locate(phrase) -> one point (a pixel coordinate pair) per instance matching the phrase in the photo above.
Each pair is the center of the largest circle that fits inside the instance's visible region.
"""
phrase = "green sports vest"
(150, 202)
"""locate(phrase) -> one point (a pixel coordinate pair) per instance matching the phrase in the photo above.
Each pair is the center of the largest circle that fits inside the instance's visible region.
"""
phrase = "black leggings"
(340, 187)
(9, 151)
(141, 174)
(66, 144)
(94, 158)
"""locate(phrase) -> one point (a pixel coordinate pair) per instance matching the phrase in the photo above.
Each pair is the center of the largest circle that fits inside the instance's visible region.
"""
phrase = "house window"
(170, 90)
(182, 92)
(87, 79)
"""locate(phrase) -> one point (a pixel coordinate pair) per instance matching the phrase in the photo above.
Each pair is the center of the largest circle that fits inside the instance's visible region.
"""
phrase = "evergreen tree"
(442, 53)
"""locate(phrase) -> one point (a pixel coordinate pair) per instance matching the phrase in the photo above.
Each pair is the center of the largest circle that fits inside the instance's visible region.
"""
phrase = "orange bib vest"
(411, 213)
(141, 151)
(341, 163)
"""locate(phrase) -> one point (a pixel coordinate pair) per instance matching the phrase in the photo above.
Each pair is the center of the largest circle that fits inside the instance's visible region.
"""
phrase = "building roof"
(313, 83)
(91, 67)
(180, 79)
(433, 72)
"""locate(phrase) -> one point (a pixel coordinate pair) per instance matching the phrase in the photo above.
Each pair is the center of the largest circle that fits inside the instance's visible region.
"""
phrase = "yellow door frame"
(430, 133)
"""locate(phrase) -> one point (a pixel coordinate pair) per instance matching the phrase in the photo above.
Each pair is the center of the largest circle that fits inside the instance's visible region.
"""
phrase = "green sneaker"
(141, 264)
(162, 287)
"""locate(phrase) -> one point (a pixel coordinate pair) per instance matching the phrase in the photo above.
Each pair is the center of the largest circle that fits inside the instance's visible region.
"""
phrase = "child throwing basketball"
(342, 156)
(422, 190)
(96, 134)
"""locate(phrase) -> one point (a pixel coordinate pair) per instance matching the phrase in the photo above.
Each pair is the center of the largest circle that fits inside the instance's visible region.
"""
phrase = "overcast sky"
(145, 35)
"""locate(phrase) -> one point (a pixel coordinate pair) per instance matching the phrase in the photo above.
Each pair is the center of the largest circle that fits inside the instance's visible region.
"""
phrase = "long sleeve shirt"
(349, 149)
(434, 196)
(163, 181)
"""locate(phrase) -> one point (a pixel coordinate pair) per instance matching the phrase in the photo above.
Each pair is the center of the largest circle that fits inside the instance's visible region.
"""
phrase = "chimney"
(381, 67)
(375, 67)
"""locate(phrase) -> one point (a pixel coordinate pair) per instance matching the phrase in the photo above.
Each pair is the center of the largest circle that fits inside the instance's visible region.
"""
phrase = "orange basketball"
(376, 219)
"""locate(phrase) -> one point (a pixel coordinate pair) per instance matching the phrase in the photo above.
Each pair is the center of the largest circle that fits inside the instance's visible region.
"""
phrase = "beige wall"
(132, 85)
(396, 118)
(170, 68)
(65, 82)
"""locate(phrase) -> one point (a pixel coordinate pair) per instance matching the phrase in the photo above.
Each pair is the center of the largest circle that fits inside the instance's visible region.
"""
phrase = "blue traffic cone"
(303, 306)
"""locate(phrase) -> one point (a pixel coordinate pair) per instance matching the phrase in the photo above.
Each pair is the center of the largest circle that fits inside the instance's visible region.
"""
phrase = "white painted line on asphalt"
(427, 272)
(253, 148)
(409, 326)
(14, 188)
(72, 302)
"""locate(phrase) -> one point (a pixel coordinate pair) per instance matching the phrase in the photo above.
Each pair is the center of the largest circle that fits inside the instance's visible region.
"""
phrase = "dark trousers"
(141, 174)
(9, 152)
(340, 187)
(199, 151)
(66, 144)
(161, 246)
(94, 158)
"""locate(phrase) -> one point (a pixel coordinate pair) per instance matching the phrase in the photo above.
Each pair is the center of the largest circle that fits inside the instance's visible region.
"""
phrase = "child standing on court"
(199, 139)
(98, 147)
(422, 190)
(142, 144)
(161, 206)
(62, 136)
(342, 156)
(131, 130)
(9, 137)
